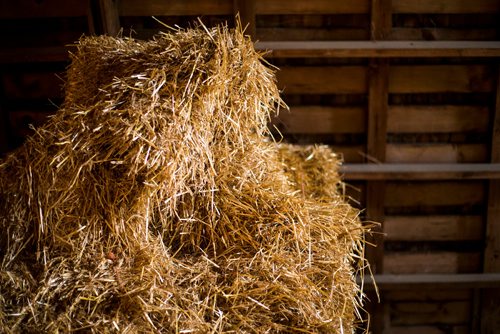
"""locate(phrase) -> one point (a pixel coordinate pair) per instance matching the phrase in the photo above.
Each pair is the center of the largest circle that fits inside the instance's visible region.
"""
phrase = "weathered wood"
(420, 171)
(350, 153)
(490, 316)
(266, 7)
(175, 8)
(434, 193)
(443, 282)
(446, 6)
(380, 49)
(440, 79)
(431, 263)
(433, 228)
(322, 120)
(431, 294)
(437, 119)
(437, 329)
(442, 34)
(246, 11)
(307, 34)
(452, 313)
(33, 8)
(436, 153)
(323, 80)
(110, 18)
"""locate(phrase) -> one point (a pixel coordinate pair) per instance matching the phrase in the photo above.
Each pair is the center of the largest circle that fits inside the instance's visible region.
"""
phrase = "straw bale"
(155, 201)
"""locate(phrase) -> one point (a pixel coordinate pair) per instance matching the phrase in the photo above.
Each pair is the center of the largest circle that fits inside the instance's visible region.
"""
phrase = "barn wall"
(407, 106)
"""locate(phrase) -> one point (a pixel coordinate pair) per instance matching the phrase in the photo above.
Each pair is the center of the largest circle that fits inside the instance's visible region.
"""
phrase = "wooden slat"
(322, 120)
(437, 119)
(32, 8)
(436, 153)
(430, 294)
(433, 228)
(451, 313)
(266, 7)
(109, 17)
(350, 153)
(323, 80)
(442, 34)
(440, 79)
(175, 8)
(420, 171)
(379, 49)
(443, 282)
(446, 6)
(431, 263)
(437, 193)
(307, 34)
(438, 329)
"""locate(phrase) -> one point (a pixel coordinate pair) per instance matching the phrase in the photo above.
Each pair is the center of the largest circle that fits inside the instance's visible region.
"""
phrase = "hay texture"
(153, 201)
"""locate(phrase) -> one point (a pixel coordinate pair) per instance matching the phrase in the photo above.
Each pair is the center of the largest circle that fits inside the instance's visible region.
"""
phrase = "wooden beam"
(380, 49)
(434, 281)
(110, 18)
(490, 316)
(246, 11)
(446, 7)
(420, 171)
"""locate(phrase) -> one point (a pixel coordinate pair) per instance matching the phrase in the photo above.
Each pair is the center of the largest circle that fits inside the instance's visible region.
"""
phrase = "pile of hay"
(154, 202)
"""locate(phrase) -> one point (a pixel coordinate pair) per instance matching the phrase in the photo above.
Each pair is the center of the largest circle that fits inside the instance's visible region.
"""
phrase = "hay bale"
(153, 201)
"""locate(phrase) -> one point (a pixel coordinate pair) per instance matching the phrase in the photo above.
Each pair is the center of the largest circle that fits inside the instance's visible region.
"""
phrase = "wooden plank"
(446, 6)
(433, 228)
(431, 294)
(442, 34)
(350, 153)
(35, 55)
(490, 315)
(380, 49)
(267, 7)
(438, 329)
(437, 119)
(423, 282)
(431, 263)
(322, 120)
(246, 11)
(420, 171)
(440, 79)
(436, 193)
(32, 85)
(35, 9)
(308, 34)
(110, 18)
(175, 8)
(451, 313)
(323, 80)
(436, 153)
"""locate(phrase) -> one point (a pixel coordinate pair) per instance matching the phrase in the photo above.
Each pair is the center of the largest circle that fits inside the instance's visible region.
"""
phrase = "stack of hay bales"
(153, 201)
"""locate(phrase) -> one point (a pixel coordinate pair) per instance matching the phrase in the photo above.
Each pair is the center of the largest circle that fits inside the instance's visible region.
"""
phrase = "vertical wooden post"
(246, 10)
(110, 17)
(378, 99)
(490, 310)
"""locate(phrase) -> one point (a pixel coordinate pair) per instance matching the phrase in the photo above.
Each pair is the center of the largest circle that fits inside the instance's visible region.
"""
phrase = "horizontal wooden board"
(433, 228)
(431, 263)
(350, 153)
(436, 153)
(397, 282)
(32, 85)
(440, 79)
(322, 120)
(311, 7)
(442, 34)
(174, 8)
(451, 313)
(323, 80)
(437, 119)
(428, 193)
(445, 6)
(32, 8)
(309, 34)
(438, 329)
(428, 295)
